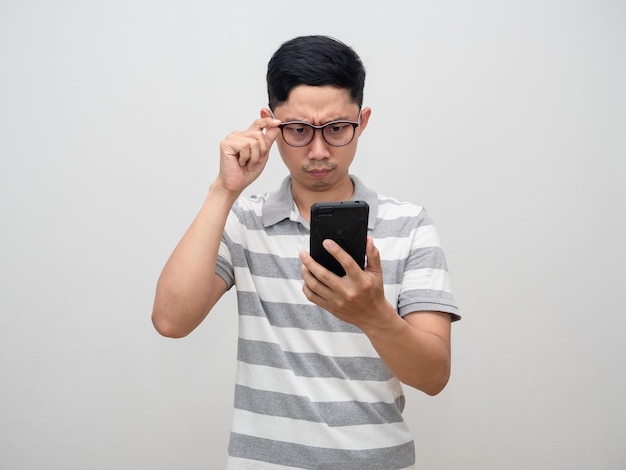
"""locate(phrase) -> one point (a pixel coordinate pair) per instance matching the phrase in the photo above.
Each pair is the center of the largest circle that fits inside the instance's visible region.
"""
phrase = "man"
(320, 357)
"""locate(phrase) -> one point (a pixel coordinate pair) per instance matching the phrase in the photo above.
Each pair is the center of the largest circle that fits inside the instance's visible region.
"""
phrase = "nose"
(318, 148)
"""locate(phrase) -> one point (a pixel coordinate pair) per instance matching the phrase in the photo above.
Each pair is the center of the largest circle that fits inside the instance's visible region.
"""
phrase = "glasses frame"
(321, 128)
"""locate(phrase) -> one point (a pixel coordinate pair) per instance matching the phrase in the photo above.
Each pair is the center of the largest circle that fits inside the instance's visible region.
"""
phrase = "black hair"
(314, 61)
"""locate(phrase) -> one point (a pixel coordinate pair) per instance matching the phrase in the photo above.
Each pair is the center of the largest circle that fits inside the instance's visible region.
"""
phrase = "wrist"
(384, 324)
(222, 192)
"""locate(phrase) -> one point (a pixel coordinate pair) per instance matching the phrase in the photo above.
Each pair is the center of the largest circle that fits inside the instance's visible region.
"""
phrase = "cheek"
(283, 150)
(289, 153)
(280, 144)
(288, 157)
(346, 155)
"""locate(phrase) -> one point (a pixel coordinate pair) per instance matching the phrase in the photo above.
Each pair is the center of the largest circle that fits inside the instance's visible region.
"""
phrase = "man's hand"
(358, 297)
(416, 348)
(243, 154)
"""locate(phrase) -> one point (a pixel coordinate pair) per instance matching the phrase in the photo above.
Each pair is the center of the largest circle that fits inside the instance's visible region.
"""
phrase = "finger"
(271, 134)
(251, 148)
(264, 131)
(341, 255)
(244, 153)
(253, 152)
(269, 127)
(264, 124)
(314, 274)
(314, 290)
(259, 150)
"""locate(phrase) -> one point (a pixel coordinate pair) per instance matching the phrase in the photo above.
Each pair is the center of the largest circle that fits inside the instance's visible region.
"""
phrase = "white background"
(506, 120)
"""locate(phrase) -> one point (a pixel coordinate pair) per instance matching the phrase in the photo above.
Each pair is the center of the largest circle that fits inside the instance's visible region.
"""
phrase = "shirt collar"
(280, 204)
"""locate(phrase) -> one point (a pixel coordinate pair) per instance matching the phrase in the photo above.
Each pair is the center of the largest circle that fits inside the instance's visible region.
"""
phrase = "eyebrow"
(304, 121)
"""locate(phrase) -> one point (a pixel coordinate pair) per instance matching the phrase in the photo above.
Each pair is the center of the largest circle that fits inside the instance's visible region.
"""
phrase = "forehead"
(317, 104)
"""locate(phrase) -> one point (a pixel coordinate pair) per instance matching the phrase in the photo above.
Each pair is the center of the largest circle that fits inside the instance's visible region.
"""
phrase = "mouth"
(319, 173)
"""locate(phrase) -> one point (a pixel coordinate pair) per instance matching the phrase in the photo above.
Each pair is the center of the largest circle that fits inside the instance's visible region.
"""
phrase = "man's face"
(319, 166)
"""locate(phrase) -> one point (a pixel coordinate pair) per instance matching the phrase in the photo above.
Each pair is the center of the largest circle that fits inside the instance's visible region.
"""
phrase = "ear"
(365, 117)
(266, 113)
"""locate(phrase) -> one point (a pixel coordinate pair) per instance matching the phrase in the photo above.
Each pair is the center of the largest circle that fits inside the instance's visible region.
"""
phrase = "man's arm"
(188, 287)
(416, 348)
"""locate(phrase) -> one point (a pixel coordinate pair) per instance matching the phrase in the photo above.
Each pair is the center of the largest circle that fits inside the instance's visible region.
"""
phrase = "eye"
(296, 128)
(297, 131)
(337, 127)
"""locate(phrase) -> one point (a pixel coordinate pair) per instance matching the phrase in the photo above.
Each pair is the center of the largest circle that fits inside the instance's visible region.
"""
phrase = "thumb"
(373, 257)
(271, 134)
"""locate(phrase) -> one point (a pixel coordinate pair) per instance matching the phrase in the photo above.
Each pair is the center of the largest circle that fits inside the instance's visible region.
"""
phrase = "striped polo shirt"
(311, 392)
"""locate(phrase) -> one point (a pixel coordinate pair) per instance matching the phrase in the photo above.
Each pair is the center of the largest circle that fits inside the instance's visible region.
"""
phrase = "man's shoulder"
(251, 201)
(250, 206)
(391, 207)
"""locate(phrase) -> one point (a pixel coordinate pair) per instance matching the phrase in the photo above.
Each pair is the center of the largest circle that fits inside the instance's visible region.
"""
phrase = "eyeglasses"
(335, 133)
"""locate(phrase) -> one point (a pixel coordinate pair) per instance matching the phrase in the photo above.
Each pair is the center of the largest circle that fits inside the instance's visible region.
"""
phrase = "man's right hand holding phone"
(358, 297)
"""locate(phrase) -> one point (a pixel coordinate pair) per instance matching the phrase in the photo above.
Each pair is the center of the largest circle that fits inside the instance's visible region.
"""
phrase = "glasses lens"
(338, 133)
(298, 134)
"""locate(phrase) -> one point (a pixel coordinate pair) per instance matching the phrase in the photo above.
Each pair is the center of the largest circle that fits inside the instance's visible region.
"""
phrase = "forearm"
(417, 357)
(187, 287)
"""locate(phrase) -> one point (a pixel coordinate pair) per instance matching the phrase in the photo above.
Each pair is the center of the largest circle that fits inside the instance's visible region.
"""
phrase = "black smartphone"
(345, 222)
